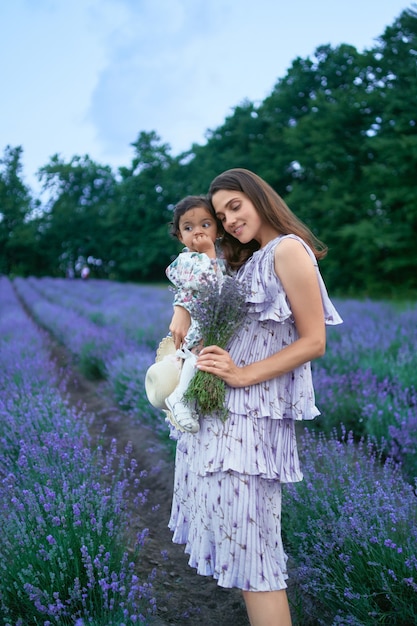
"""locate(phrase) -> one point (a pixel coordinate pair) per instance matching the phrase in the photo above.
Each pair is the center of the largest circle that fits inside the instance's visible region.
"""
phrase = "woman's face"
(240, 218)
(196, 224)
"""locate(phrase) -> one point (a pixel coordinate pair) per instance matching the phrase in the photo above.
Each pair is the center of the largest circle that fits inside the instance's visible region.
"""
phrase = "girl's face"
(240, 218)
(195, 224)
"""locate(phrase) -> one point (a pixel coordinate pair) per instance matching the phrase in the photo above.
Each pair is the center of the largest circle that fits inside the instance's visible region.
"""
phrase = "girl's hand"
(217, 361)
(202, 243)
(179, 326)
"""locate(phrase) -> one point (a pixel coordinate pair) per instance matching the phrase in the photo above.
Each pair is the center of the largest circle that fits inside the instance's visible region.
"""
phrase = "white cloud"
(85, 77)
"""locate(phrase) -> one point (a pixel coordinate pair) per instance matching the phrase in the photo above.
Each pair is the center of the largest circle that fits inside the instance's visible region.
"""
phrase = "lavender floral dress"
(227, 492)
(189, 273)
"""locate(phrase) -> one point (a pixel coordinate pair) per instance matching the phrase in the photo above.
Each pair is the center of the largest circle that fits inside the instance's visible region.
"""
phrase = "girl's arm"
(180, 324)
(298, 275)
(188, 273)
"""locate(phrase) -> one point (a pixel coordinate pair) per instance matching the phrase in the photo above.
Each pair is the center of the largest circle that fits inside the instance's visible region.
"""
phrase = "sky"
(87, 76)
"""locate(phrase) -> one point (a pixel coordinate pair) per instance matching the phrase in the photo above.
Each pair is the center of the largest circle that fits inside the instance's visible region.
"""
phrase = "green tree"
(392, 144)
(17, 236)
(138, 221)
(74, 224)
(337, 138)
(230, 145)
(332, 134)
(328, 189)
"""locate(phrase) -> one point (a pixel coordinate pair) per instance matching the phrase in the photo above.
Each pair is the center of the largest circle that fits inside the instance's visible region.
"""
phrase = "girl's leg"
(267, 608)
(182, 413)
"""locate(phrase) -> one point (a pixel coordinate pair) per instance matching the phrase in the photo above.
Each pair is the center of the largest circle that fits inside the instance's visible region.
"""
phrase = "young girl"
(228, 477)
(195, 225)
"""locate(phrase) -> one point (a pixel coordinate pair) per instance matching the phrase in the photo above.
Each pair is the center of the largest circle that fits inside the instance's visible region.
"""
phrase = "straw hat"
(163, 376)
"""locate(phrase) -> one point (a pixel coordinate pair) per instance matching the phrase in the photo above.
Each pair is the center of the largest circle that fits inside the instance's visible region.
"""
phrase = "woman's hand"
(180, 324)
(217, 361)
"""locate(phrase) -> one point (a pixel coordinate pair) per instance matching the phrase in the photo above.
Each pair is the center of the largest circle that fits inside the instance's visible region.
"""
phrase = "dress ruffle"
(259, 447)
(231, 527)
(269, 328)
(268, 299)
(290, 396)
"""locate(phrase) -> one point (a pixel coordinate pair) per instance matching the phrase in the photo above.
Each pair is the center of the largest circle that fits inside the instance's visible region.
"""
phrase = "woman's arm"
(298, 275)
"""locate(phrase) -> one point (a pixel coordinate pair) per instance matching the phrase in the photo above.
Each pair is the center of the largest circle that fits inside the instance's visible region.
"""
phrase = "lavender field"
(350, 527)
(63, 556)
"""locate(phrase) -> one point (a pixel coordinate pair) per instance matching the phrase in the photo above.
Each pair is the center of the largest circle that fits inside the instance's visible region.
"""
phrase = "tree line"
(336, 137)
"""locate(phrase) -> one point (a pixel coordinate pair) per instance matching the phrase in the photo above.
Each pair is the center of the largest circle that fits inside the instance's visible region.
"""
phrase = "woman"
(227, 492)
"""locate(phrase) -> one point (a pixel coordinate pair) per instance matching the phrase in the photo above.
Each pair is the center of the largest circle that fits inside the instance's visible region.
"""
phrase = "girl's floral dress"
(189, 273)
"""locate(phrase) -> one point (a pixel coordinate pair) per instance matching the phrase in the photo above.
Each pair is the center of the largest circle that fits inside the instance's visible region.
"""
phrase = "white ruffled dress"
(227, 491)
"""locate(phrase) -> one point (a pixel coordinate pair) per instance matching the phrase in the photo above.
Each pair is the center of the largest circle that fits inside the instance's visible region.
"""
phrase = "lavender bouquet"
(220, 313)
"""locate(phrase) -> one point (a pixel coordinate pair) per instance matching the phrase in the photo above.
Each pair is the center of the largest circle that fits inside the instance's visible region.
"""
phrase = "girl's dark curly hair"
(185, 205)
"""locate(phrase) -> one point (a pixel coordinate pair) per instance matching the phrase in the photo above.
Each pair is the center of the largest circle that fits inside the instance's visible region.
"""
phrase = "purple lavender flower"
(219, 313)
(62, 500)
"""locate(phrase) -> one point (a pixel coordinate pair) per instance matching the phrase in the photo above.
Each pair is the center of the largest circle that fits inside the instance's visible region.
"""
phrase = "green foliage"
(90, 363)
(17, 238)
(74, 221)
(138, 221)
(337, 138)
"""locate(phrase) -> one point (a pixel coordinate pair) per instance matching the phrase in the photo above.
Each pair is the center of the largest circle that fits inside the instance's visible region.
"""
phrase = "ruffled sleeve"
(268, 299)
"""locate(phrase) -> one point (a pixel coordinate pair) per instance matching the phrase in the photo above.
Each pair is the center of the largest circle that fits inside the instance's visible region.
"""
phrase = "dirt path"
(182, 596)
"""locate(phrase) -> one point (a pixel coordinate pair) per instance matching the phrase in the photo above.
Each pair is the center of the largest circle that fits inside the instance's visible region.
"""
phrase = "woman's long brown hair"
(270, 207)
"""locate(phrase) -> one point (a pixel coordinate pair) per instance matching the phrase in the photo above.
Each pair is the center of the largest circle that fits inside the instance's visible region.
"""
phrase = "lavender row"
(351, 528)
(64, 554)
(376, 335)
(95, 347)
(141, 312)
(367, 380)
(105, 349)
